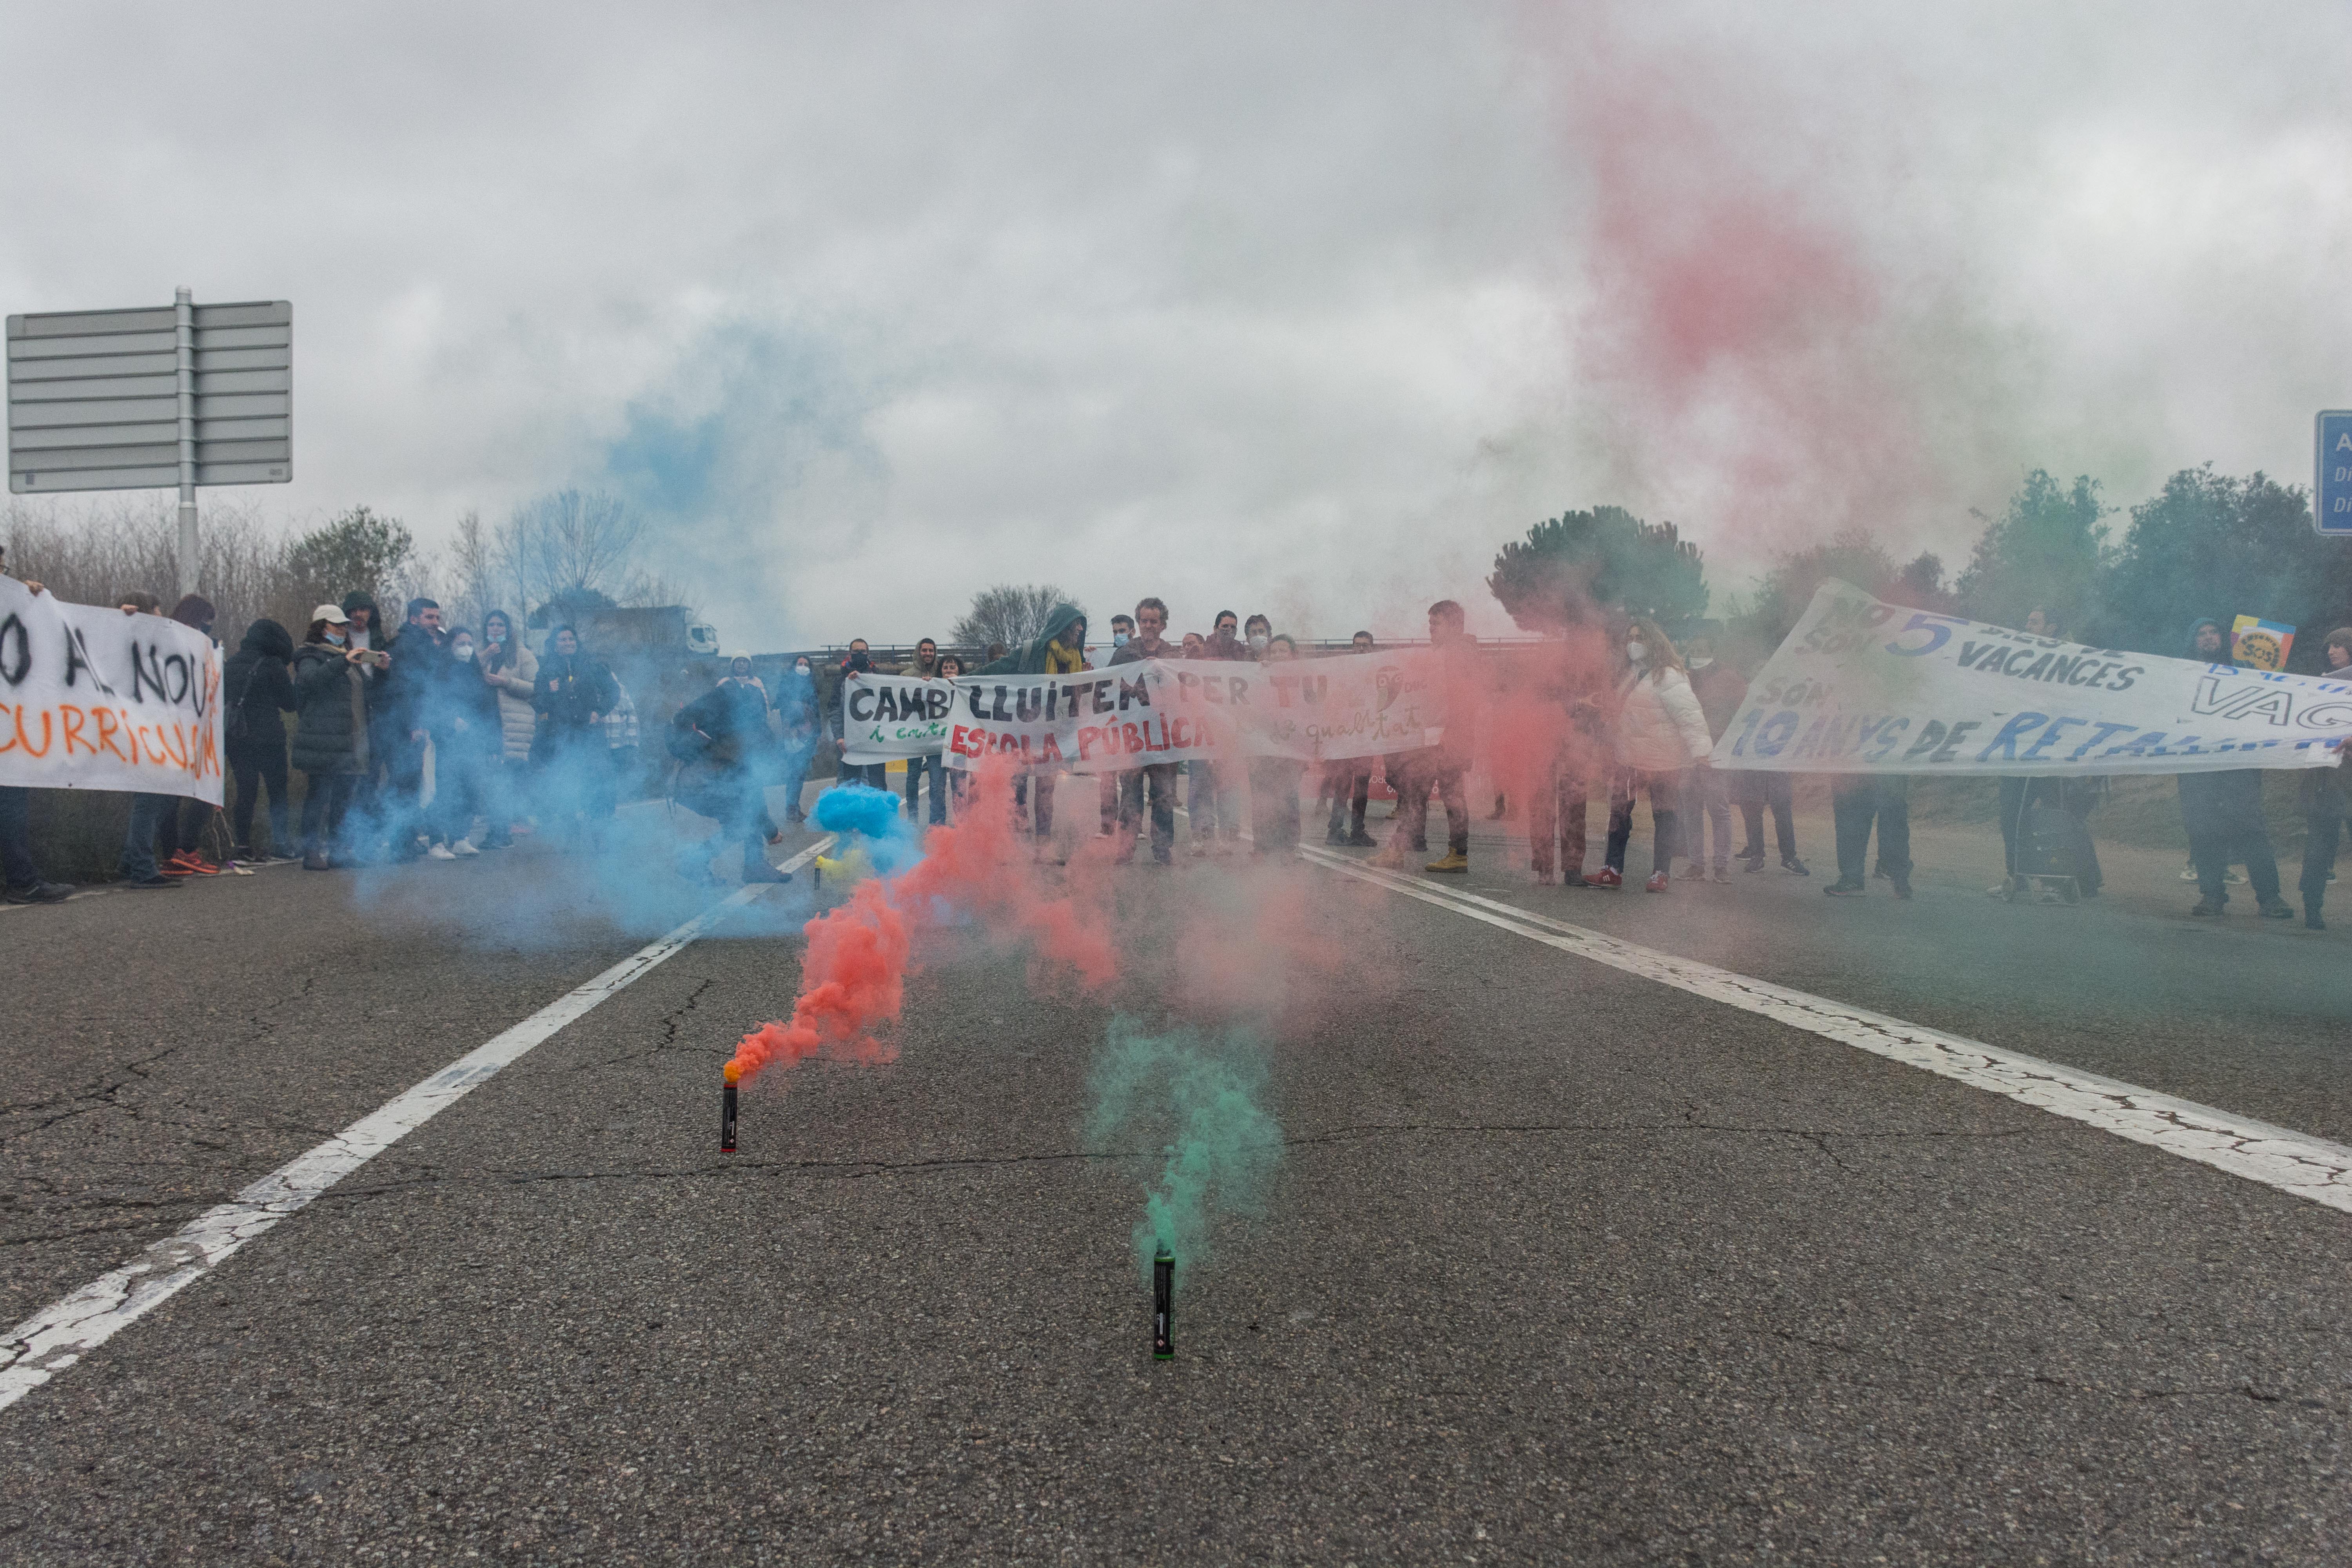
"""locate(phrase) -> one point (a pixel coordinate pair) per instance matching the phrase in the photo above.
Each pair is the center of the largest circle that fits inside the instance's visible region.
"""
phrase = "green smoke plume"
(1202, 1096)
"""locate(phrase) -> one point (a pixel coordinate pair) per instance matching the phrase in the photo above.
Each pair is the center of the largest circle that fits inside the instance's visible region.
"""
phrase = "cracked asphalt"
(1559, 1265)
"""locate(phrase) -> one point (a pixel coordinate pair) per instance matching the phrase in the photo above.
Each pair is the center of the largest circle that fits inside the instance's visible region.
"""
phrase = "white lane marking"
(60, 1334)
(2277, 1157)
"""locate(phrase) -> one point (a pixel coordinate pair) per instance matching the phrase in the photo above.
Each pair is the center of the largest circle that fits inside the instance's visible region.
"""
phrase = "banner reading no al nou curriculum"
(93, 699)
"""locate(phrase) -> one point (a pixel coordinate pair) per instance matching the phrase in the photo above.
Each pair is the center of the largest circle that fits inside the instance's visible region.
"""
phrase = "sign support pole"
(184, 310)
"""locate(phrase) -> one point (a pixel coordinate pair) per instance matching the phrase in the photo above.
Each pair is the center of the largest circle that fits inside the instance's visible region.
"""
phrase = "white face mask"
(497, 637)
(800, 669)
(1637, 651)
(335, 635)
(1258, 641)
(1119, 640)
(463, 651)
(1700, 663)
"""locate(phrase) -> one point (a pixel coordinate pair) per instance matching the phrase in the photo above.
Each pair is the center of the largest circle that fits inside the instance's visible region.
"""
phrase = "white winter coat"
(1660, 726)
(518, 720)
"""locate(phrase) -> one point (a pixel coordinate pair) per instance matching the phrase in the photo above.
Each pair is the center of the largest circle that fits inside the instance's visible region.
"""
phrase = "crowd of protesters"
(519, 742)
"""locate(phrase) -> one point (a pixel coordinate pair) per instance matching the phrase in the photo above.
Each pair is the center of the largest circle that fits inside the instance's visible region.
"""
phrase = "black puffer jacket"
(330, 726)
(255, 681)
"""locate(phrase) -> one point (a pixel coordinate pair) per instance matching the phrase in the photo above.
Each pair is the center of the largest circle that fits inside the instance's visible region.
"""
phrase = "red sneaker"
(194, 864)
(1607, 877)
(1656, 884)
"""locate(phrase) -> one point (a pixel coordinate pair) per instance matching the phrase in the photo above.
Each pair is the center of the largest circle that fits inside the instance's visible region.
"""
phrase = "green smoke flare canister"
(1163, 1293)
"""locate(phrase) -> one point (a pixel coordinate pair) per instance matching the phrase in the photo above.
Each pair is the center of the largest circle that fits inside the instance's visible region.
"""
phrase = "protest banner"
(93, 699)
(885, 718)
(1865, 687)
(1150, 710)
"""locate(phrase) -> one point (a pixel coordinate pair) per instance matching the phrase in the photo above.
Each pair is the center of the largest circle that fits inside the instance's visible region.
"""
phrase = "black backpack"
(234, 726)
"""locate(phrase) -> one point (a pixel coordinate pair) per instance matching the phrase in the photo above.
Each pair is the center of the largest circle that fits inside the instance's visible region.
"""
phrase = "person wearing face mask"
(1720, 691)
(468, 736)
(1661, 734)
(860, 661)
(797, 719)
(331, 731)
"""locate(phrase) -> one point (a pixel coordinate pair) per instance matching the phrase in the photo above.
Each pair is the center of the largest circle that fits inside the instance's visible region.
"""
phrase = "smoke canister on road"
(1163, 1292)
(726, 1108)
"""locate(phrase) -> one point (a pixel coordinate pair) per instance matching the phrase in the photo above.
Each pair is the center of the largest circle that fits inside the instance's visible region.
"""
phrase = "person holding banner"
(1445, 766)
(1060, 650)
(926, 667)
(2222, 814)
(1660, 735)
(1720, 691)
(2326, 797)
(1210, 797)
(136, 867)
(256, 687)
(20, 875)
(1274, 781)
(1155, 780)
(860, 661)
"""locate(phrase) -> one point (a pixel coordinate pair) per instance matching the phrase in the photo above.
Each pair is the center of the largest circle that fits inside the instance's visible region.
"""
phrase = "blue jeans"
(17, 866)
(138, 862)
(935, 765)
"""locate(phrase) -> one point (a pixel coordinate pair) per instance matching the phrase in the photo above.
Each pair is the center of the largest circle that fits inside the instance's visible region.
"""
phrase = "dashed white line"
(2291, 1161)
(60, 1334)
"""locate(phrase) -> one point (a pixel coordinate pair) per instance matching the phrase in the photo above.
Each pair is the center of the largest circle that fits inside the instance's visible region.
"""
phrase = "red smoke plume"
(1742, 332)
(852, 977)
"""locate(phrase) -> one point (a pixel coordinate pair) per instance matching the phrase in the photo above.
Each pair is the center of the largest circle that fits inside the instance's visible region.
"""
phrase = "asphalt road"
(1558, 1265)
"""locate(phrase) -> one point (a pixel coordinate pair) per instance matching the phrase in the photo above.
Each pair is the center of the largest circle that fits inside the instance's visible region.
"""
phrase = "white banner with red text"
(1861, 686)
(93, 699)
(1150, 710)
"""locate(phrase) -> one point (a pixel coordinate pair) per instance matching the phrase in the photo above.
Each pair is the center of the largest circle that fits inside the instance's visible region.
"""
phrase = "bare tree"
(474, 579)
(571, 542)
(1008, 614)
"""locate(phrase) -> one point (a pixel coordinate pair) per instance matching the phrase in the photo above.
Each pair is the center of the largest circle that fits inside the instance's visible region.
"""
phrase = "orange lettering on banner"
(109, 724)
(11, 712)
(73, 717)
(46, 739)
(208, 764)
(163, 745)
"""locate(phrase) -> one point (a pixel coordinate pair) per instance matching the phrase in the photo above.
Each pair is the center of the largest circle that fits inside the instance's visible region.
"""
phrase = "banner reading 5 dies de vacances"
(93, 699)
(1151, 711)
(1861, 686)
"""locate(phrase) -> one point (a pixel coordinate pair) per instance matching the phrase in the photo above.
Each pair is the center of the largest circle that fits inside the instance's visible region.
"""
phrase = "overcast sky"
(1295, 307)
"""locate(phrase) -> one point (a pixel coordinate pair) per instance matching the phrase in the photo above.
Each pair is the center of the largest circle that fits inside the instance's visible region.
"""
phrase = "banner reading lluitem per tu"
(1865, 687)
(93, 699)
(1150, 711)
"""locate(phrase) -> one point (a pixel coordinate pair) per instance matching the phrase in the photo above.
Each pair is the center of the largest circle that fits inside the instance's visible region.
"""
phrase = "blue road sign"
(2331, 492)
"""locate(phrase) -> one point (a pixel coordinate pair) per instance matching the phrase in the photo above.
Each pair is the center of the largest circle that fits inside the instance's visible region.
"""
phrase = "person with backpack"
(258, 684)
(720, 740)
